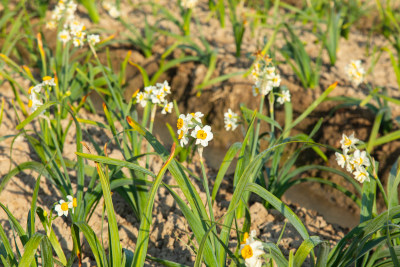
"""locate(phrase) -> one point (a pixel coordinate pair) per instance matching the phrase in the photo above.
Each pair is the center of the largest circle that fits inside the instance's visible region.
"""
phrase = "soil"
(325, 212)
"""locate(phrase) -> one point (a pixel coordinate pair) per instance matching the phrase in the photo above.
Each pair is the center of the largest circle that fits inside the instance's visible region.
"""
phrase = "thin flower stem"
(271, 110)
(152, 116)
(255, 139)
(382, 191)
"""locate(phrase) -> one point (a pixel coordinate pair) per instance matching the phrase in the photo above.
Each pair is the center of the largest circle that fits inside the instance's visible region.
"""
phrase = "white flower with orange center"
(230, 120)
(47, 80)
(355, 72)
(63, 207)
(183, 122)
(276, 80)
(93, 39)
(64, 36)
(197, 116)
(348, 141)
(202, 135)
(142, 99)
(360, 159)
(182, 137)
(361, 175)
(251, 250)
(167, 108)
(164, 87)
(72, 200)
(284, 96)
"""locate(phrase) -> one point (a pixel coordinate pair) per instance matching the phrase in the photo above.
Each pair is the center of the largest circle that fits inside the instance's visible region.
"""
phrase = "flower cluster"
(72, 29)
(265, 76)
(230, 120)
(64, 206)
(266, 79)
(354, 160)
(63, 9)
(111, 9)
(188, 3)
(156, 94)
(35, 93)
(355, 72)
(192, 121)
(283, 96)
(251, 250)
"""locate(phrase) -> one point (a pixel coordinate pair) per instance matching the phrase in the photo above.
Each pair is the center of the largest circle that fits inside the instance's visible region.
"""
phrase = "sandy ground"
(325, 212)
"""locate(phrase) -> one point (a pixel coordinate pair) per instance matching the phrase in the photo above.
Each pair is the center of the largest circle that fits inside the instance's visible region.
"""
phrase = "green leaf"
(224, 167)
(281, 207)
(94, 243)
(46, 252)
(117, 162)
(35, 114)
(146, 220)
(115, 245)
(30, 250)
(305, 248)
(313, 106)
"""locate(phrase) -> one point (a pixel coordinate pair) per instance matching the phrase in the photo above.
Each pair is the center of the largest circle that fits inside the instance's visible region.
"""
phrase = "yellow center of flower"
(30, 89)
(245, 236)
(74, 202)
(192, 114)
(179, 124)
(347, 141)
(47, 78)
(201, 135)
(180, 135)
(30, 103)
(257, 90)
(64, 206)
(247, 252)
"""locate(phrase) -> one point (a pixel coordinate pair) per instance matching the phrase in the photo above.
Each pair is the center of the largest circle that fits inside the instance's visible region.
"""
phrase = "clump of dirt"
(170, 233)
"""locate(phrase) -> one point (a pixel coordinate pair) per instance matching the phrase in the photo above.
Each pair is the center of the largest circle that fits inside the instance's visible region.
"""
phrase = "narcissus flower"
(348, 141)
(93, 39)
(361, 175)
(284, 96)
(63, 207)
(251, 250)
(64, 36)
(188, 3)
(265, 76)
(202, 134)
(355, 72)
(230, 120)
(197, 116)
(167, 107)
(354, 160)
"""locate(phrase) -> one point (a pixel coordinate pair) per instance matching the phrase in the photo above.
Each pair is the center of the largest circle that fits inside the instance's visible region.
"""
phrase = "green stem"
(382, 191)
(153, 114)
(271, 110)
(255, 139)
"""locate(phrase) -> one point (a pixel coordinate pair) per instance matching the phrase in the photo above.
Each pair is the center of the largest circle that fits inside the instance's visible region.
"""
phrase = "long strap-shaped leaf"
(248, 175)
(94, 243)
(115, 245)
(116, 162)
(30, 249)
(280, 206)
(145, 222)
(305, 249)
(177, 172)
